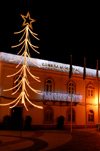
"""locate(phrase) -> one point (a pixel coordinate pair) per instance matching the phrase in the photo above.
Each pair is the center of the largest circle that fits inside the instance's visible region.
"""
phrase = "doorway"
(16, 118)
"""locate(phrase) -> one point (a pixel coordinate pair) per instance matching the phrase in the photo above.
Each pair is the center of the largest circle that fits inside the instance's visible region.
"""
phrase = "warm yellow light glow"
(26, 23)
(16, 72)
(18, 44)
(23, 97)
(33, 61)
(36, 78)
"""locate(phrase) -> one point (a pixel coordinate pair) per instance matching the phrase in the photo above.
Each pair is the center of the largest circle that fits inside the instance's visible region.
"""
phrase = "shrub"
(6, 123)
(60, 122)
(28, 122)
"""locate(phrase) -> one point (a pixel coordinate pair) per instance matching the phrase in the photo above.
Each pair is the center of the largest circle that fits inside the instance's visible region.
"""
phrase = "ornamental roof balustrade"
(61, 97)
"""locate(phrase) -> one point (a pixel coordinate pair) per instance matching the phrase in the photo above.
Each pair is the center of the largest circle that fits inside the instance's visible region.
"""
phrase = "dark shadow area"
(37, 143)
(6, 123)
(0, 142)
(28, 123)
(60, 122)
(16, 118)
(81, 141)
(13, 122)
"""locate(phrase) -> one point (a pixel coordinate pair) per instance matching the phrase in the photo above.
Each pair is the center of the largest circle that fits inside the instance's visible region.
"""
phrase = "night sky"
(63, 30)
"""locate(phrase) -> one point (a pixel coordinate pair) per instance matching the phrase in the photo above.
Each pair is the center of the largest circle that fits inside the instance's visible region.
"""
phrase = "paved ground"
(32, 140)
(50, 140)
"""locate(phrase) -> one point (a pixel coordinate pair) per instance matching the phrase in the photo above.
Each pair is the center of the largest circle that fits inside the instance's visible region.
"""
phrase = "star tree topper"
(27, 20)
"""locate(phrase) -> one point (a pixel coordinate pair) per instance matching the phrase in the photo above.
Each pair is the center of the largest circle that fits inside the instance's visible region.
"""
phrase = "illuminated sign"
(59, 67)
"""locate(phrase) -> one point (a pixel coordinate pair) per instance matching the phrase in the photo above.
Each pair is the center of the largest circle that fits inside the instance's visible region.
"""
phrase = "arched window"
(49, 85)
(71, 84)
(90, 90)
(90, 116)
(69, 115)
(48, 115)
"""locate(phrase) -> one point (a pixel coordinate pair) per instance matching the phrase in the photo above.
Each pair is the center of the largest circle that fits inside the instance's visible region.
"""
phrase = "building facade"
(55, 86)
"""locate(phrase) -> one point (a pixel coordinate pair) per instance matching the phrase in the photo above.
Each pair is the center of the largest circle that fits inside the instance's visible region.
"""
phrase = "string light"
(23, 96)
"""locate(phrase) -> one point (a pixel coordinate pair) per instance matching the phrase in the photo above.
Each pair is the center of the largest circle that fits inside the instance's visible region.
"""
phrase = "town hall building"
(55, 95)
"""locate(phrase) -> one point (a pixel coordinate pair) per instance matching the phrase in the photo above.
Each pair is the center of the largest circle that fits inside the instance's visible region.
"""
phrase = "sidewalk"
(42, 140)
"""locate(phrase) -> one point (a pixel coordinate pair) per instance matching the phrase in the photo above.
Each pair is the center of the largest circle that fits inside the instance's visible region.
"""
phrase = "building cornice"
(48, 65)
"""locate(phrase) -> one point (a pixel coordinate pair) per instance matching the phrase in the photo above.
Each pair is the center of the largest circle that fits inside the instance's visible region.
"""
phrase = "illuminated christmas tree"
(24, 96)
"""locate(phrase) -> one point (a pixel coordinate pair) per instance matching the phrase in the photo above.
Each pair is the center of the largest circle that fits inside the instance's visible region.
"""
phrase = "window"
(48, 115)
(90, 116)
(90, 90)
(73, 87)
(49, 85)
(69, 115)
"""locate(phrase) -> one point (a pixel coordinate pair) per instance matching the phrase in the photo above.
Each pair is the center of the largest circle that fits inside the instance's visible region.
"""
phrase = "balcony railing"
(61, 97)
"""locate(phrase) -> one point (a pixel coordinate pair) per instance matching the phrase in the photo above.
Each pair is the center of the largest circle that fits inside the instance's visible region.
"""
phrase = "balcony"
(61, 97)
